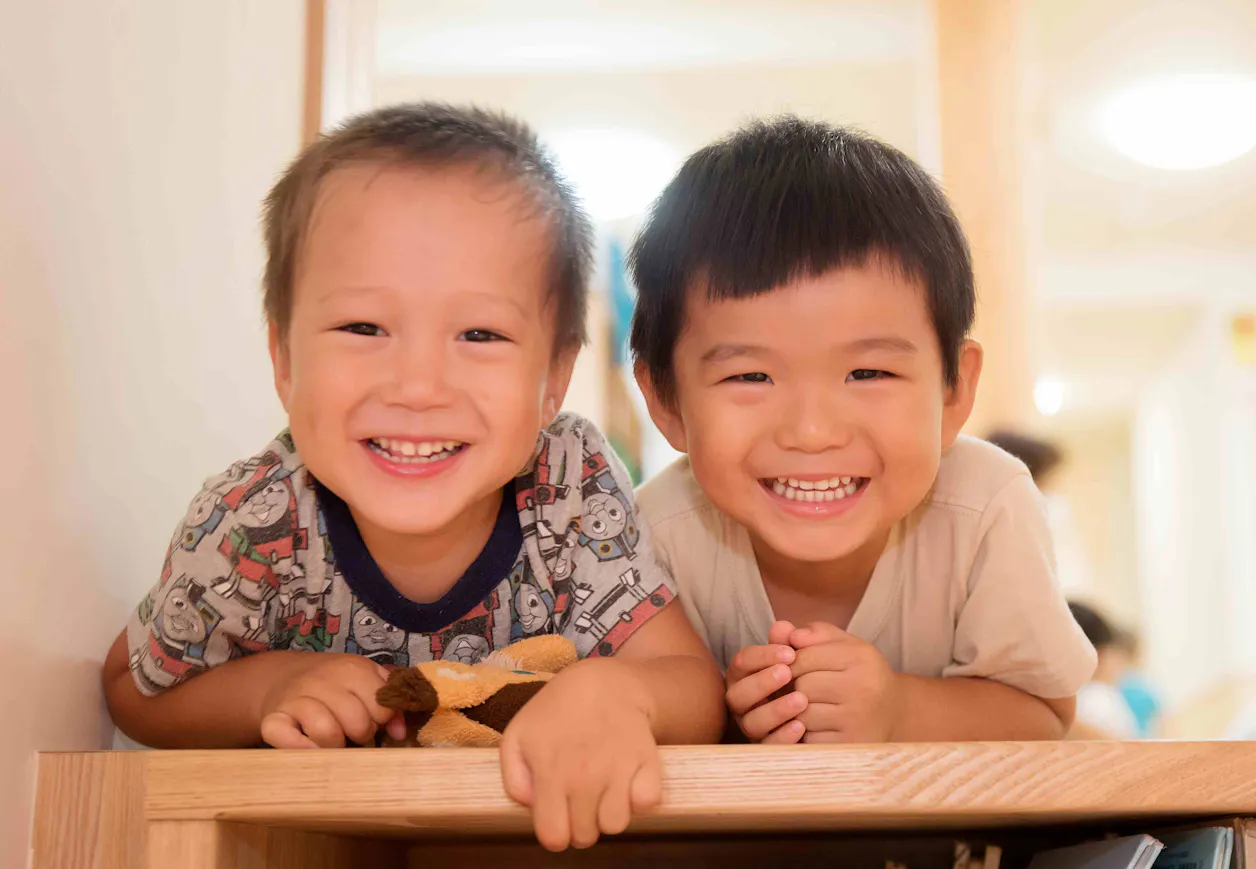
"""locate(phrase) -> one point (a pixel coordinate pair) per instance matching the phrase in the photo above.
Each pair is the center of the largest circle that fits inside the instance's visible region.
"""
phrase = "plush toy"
(448, 703)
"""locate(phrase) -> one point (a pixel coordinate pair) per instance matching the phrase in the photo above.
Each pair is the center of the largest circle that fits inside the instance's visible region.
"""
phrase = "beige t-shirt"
(966, 586)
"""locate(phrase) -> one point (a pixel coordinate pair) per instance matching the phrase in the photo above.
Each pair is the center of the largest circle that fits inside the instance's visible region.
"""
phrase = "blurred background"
(1102, 156)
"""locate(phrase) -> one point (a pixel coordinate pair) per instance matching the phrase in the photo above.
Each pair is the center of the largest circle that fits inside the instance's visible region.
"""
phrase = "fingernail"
(780, 673)
(785, 656)
(797, 700)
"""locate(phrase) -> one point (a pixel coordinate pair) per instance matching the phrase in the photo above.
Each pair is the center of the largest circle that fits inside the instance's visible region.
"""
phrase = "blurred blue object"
(1142, 701)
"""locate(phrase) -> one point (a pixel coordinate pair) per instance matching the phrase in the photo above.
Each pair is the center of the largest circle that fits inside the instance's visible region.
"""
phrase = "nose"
(813, 421)
(418, 376)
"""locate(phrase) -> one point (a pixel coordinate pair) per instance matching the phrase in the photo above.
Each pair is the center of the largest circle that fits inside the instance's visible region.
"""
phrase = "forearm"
(681, 695)
(220, 708)
(948, 710)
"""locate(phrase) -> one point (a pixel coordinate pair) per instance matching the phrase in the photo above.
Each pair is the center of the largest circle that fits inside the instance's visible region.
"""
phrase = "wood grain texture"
(89, 811)
(412, 793)
(217, 845)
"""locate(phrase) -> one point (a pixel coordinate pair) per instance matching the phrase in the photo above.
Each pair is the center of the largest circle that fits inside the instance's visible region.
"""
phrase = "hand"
(581, 754)
(757, 690)
(851, 689)
(330, 698)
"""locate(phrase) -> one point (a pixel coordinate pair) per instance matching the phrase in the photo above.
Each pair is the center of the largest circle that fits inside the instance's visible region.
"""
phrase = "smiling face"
(816, 414)
(418, 367)
(373, 634)
(180, 621)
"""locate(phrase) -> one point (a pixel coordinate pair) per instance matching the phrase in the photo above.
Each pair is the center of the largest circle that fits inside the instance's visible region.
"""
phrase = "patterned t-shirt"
(267, 558)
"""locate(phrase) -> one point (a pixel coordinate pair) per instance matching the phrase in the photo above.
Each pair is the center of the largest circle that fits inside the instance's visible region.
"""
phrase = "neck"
(424, 567)
(806, 591)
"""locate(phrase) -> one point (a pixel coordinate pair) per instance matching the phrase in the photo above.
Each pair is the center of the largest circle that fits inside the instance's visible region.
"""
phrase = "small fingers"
(516, 777)
(550, 816)
(815, 633)
(352, 717)
(744, 695)
(787, 734)
(647, 785)
(752, 659)
(823, 718)
(280, 730)
(317, 722)
(364, 683)
(583, 807)
(763, 720)
(615, 811)
(779, 633)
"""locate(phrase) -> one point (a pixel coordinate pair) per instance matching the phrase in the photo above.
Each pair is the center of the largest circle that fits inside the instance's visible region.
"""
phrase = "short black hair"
(1040, 456)
(788, 198)
(1096, 628)
(426, 135)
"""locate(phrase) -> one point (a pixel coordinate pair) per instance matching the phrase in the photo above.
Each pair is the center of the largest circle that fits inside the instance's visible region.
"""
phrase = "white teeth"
(815, 491)
(408, 452)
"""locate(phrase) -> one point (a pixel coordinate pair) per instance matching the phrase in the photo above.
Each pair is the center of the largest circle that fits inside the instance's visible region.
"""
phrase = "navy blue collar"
(369, 584)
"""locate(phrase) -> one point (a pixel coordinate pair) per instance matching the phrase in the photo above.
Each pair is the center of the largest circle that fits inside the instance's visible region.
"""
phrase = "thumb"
(647, 785)
(516, 777)
(396, 727)
(815, 634)
(778, 634)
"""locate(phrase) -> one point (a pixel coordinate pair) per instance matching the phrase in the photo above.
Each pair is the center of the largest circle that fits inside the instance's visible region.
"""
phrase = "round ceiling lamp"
(1183, 122)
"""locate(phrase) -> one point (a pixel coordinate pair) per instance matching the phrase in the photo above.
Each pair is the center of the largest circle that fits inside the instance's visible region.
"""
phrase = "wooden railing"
(379, 808)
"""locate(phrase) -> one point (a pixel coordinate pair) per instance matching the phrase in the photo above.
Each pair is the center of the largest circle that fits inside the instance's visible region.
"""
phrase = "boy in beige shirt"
(860, 570)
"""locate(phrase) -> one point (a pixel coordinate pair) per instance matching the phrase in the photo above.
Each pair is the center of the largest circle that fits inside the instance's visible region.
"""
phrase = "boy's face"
(418, 366)
(816, 414)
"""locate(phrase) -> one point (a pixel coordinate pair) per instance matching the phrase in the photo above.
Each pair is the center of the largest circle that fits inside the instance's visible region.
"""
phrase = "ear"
(666, 416)
(960, 397)
(556, 383)
(280, 363)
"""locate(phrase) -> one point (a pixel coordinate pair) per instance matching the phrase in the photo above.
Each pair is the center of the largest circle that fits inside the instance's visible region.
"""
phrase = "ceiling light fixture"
(1183, 122)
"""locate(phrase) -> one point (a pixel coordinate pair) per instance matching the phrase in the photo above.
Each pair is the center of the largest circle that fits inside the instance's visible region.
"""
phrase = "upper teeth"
(832, 489)
(414, 448)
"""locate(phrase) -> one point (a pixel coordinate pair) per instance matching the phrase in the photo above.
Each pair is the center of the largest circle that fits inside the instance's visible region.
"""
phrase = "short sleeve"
(235, 548)
(616, 583)
(1015, 626)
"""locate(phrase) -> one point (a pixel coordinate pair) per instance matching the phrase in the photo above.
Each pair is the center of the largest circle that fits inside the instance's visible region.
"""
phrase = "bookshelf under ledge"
(367, 807)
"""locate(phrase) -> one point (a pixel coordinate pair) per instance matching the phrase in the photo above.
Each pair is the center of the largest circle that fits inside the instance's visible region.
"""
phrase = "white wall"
(136, 139)
(1194, 477)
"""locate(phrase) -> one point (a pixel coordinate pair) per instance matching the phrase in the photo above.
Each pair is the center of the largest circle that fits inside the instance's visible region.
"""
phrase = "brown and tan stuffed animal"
(448, 703)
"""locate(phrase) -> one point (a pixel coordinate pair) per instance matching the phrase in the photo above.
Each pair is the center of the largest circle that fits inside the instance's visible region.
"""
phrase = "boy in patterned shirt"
(425, 292)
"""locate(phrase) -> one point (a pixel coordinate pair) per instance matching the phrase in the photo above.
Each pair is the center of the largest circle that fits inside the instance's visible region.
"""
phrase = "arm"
(287, 699)
(664, 671)
(854, 696)
(221, 708)
(948, 710)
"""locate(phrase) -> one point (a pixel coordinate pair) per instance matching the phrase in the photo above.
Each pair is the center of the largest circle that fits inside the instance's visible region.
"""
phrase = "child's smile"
(414, 458)
(814, 414)
(815, 496)
(419, 363)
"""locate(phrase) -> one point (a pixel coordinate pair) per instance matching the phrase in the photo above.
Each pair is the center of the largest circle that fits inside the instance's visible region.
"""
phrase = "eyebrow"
(720, 352)
(371, 289)
(891, 343)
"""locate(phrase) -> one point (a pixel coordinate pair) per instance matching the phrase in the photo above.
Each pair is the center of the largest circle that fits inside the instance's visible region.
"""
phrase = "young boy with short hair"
(861, 570)
(425, 291)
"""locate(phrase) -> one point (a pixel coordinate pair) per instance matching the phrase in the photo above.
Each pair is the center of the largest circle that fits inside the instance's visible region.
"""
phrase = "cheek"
(721, 438)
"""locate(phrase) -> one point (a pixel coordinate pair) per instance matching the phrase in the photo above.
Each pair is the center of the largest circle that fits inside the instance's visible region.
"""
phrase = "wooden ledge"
(420, 793)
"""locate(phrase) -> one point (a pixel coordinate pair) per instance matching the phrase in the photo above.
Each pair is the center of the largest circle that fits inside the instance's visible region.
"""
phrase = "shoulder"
(252, 491)
(672, 496)
(974, 475)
